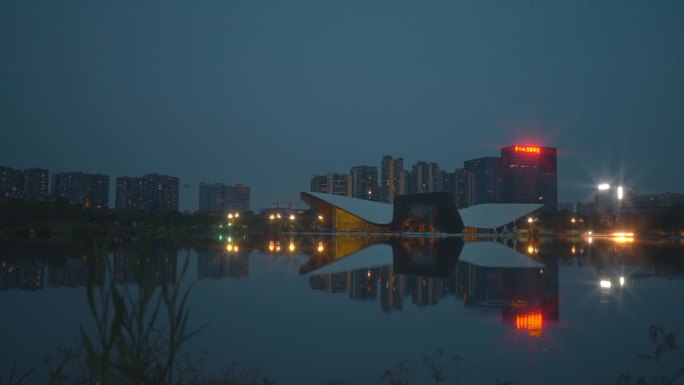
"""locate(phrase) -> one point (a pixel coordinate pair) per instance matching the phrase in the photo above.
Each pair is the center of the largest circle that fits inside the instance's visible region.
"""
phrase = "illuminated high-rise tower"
(529, 175)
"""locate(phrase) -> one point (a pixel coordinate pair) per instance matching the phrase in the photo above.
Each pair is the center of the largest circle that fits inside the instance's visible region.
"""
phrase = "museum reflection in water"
(483, 275)
(515, 277)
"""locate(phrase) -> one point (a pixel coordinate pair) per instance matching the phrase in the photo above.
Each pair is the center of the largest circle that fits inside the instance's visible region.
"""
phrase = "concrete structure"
(419, 213)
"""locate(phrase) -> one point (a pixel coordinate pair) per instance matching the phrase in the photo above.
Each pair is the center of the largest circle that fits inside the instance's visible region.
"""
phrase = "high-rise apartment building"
(36, 185)
(528, 175)
(332, 183)
(160, 192)
(129, 193)
(465, 188)
(90, 190)
(449, 183)
(319, 183)
(221, 198)
(149, 192)
(485, 172)
(393, 178)
(211, 197)
(460, 185)
(237, 198)
(424, 177)
(364, 183)
(11, 183)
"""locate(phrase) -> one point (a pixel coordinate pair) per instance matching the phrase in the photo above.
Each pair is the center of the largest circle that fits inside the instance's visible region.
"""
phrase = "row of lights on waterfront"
(273, 217)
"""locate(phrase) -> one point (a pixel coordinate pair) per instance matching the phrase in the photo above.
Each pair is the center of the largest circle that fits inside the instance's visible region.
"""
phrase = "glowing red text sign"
(529, 149)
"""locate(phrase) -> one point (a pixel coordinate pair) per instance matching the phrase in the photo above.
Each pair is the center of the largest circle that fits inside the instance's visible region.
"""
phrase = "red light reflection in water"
(532, 322)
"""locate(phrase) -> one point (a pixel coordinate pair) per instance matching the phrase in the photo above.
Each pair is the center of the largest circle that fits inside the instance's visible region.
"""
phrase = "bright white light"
(603, 186)
(620, 193)
(605, 284)
(622, 281)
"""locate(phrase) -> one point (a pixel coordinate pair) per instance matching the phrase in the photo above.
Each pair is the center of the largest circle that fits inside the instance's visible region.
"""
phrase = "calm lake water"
(326, 309)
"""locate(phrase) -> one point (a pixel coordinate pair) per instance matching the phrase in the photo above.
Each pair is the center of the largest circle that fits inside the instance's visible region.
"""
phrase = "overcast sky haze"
(269, 93)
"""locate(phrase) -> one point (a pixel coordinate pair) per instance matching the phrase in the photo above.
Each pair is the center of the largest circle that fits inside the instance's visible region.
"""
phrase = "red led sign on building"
(529, 149)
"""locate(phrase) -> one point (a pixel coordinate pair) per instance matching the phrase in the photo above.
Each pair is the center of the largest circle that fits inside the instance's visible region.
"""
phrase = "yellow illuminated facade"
(342, 221)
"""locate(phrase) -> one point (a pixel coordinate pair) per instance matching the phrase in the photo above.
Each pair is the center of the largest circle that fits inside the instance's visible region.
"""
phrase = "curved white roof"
(483, 254)
(376, 212)
(484, 216)
(493, 215)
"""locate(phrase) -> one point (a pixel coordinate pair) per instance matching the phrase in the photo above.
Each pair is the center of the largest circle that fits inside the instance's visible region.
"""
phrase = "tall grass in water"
(139, 329)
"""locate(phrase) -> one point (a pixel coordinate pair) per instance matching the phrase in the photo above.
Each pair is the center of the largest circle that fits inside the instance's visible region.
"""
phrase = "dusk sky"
(269, 93)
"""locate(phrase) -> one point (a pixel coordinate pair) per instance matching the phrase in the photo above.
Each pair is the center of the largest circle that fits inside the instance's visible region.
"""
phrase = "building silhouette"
(529, 175)
(486, 179)
(424, 177)
(36, 186)
(460, 186)
(11, 183)
(149, 192)
(221, 198)
(364, 183)
(465, 188)
(129, 193)
(90, 190)
(332, 183)
(393, 178)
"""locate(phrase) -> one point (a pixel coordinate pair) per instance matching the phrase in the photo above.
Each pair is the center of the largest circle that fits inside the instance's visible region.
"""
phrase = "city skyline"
(267, 94)
(404, 173)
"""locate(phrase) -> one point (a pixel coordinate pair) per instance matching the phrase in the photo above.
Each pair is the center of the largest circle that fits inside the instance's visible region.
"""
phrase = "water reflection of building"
(158, 266)
(73, 273)
(220, 263)
(24, 276)
(485, 275)
(526, 295)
